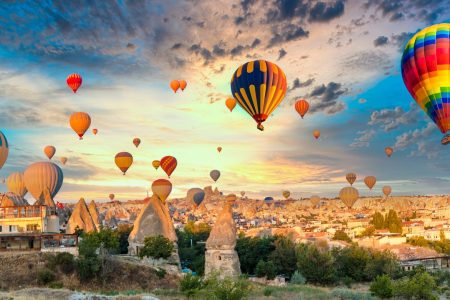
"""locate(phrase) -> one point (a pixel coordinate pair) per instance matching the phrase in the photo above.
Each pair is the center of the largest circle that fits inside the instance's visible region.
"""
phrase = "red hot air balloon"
(74, 81)
(137, 142)
(302, 106)
(168, 164)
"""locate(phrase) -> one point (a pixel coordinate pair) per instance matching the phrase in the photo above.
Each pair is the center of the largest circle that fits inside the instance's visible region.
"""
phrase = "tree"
(316, 266)
(378, 220)
(193, 257)
(382, 287)
(420, 286)
(253, 249)
(382, 262)
(265, 269)
(156, 247)
(340, 235)
(351, 262)
(123, 232)
(284, 256)
(393, 222)
(369, 231)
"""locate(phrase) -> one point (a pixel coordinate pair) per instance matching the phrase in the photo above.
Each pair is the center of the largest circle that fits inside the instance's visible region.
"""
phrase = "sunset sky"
(342, 56)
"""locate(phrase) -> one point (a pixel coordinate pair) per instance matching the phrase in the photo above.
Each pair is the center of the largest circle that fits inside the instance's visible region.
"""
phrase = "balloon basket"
(446, 140)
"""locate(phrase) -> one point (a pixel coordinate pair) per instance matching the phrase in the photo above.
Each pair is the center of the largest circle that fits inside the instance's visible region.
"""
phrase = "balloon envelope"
(123, 161)
(387, 190)
(351, 178)
(63, 160)
(348, 196)
(111, 197)
(74, 81)
(301, 106)
(137, 142)
(370, 181)
(286, 194)
(95, 131)
(80, 122)
(219, 149)
(215, 175)
(49, 151)
(183, 84)
(155, 164)
(315, 200)
(230, 103)
(316, 134)
(388, 151)
(175, 85)
(242, 193)
(162, 188)
(268, 200)
(42, 177)
(168, 164)
(16, 184)
(4, 149)
(259, 87)
(199, 195)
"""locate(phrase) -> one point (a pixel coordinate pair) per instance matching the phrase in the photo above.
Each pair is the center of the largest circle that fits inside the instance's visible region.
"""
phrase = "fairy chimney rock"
(81, 218)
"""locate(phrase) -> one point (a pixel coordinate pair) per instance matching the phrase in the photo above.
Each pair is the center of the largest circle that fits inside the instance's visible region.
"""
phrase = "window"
(32, 227)
(1, 228)
(10, 228)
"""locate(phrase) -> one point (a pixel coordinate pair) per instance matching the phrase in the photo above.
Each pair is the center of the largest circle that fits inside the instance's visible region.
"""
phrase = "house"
(411, 256)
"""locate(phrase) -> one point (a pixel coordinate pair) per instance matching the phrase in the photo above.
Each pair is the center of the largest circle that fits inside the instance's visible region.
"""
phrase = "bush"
(340, 235)
(420, 286)
(45, 276)
(156, 247)
(298, 278)
(56, 285)
(161, 273)
(265, 269)
(190, 284)
(382, 287)
(346, 294)
(268, 291)
(227, 288)
(317, 266)
(65, 261)
(88, 268)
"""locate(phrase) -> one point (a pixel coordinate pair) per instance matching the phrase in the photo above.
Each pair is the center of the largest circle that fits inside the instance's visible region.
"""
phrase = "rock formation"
(11, 199)
(118, 211)
(46, 199)
(80, 218)
(220, 255)
(94, 214)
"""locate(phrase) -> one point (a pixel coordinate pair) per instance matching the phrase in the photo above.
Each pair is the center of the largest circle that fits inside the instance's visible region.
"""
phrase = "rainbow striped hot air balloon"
(426, 73)
(259, 86)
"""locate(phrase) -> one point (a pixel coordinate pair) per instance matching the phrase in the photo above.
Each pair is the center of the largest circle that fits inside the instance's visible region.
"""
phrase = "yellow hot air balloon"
(348, 196)
(162, 189)
(370, 181)
(4, 149)
(387, 190)
(286, 194)
(111, 197)
(63, 160)
(155, 164)
(314, 199)
(123, 160)
(43, 177)
(80, 122)
(16, 184)
(351, 178)
(49, 151)
(230, 103)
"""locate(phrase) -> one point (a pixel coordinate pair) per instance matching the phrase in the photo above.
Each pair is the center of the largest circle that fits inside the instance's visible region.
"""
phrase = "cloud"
(298, 84)
(365, 136)
(413, 137)
(286, 33)
(327, 96)
(390, 119)
(401, 39)
(380, 41)
(324, 12)
(281, 53)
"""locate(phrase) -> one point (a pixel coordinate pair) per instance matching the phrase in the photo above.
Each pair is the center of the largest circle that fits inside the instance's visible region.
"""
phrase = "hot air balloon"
(74, 81)
(230, 103)
(301, 106)
(370, 181)
(268, 200)
(183, 84)
(316, 134)
(242, 193)
(80, 122)
(49, 151)
(348, 196)
(351, 178)
(219, 149)
(199, 195)
(155, 164)
(4, 149)
(388, 151)
(214, 174)
(43, 177)
(175, 85)
(425, 71)
(95, 131)
(162, 188)
(137, 142)
(124, 160)
(315, 200)
(387, 190)
(259, 87)
(63, 160)
(111, 197)
(16, 184)
(168, 164)
(286, 194)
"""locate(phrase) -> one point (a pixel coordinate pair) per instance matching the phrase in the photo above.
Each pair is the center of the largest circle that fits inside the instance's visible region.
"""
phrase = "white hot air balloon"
(16, 184)
(42, 178)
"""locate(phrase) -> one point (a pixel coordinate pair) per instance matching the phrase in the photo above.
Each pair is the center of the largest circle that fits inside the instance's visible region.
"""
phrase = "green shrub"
(348, 281)
(156, 247)
(65, 261)
(347, 294)
(268, 291)
(298, 278)
(190, 284)
(265, 269)
(56, 285)
(45, 276)
(382, 287)
(420, 286)
(161, 273)
(227, 288)
(88, 268)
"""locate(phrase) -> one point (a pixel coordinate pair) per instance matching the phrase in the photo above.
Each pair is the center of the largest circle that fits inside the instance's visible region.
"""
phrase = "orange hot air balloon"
(231, 103)
(175, 85)
(168, 164)
(183, 84)
(137, 142)
(351, 178)
(314, 199)
(286, 194)
(162, 188)
(302, 106)
(155, 164)
(219, 149)
(388, 151)
(80, 122)
(316, 134)
(49, 151)
(124, 160)
(387, 190)
(111, 197)
(63, 160)
(74, 81)
(95, 131)
(370, 181)
(348, 196)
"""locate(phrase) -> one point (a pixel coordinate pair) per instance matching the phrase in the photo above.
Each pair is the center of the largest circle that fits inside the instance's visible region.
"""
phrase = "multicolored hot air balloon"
(111, 197)
(316, 134)
(388, 151)
(175, 85)
(42, 178)
(348, 196)
(74, 81)
(219, 149)
(351, 178)
(137, 142)
(95, 131)
(230, 103)
(63, 160)
(315, 200)
(183, 84)
(259, 87)
(301, 106)
(80, 122)
(425, 71)
(123, 160)
(162, 189)
(155, 164)
(286, 194)
(215, 175)
(168, 164)
(268, 200)
(16, 184)
(4, 149)
(387, 190)
(370, 181)
(49, 151)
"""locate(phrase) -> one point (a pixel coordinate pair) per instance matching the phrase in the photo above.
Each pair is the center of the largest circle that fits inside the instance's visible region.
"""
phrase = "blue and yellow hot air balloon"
(259, 87)
(4, 149)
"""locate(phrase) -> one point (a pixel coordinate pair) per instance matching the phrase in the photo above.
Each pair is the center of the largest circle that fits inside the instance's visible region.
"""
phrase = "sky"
(342, 56)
